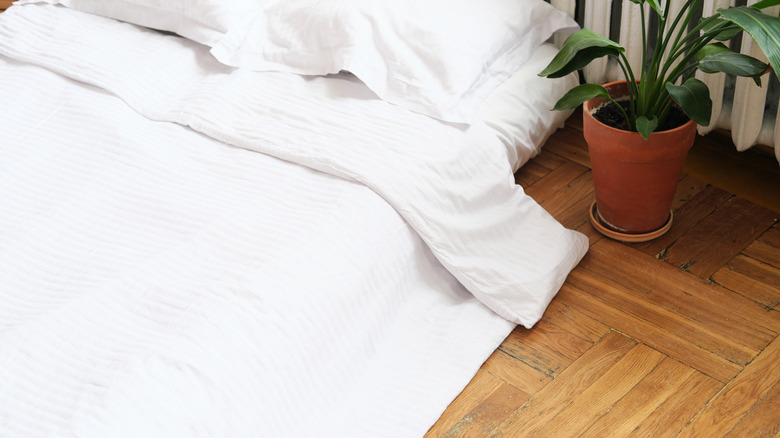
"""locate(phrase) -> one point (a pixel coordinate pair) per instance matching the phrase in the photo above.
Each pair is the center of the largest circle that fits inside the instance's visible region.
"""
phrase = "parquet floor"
(674, 337)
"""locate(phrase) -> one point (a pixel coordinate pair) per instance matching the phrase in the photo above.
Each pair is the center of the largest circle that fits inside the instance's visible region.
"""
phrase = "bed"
(267, 218)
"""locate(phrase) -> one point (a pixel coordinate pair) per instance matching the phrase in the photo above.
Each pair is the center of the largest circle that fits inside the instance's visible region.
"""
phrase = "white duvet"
(159, 277)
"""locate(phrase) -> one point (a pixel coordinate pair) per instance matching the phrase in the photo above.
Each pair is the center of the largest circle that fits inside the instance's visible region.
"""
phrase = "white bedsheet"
(158, 282)
(155, 282)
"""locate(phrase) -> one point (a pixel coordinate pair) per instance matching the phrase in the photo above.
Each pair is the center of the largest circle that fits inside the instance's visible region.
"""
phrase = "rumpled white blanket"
(157, 281)
(452, 184)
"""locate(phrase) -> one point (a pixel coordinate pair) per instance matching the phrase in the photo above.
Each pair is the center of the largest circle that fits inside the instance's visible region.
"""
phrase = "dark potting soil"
(610, 115)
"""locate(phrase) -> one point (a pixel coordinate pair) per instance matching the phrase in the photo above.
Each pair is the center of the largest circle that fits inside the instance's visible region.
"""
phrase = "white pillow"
(436, 57)
(204, 21)
(519, 110)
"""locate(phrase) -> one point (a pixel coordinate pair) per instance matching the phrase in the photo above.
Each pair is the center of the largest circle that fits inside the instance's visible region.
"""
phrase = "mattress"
(189, 249)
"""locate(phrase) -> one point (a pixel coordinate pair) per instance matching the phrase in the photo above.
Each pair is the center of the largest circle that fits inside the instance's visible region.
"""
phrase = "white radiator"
(751, 113)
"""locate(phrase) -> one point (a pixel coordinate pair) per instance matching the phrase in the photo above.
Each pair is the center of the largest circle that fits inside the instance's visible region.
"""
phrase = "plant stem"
(685, 72)
(644, 46)
(662, 40)
(633, 91)
(694, 33)
(658, 88)
(689, 6)
(664, 113)
(692, 48)
(620, 107)
(663, 96)
(687, 48)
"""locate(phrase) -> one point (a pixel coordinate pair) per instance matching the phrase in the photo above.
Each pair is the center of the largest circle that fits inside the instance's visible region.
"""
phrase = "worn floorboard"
(673, 337)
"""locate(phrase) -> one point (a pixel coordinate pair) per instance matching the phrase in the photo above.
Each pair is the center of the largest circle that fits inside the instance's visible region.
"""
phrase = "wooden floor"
(675, 337)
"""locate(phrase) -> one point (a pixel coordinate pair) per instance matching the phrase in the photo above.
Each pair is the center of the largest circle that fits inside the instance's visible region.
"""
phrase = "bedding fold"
(451, 183)
(156, 283)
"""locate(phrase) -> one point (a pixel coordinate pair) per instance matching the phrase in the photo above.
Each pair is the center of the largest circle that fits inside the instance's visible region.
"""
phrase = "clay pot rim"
(587, 111)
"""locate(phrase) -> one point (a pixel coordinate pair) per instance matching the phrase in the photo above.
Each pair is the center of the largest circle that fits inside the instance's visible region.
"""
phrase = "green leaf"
(582, 59)
(658, 7)
(646, 126)
(765, 4)
(764, 29)
(726, 33)
(579, 49)
(693, 96)
(579, 94)
(714, 58)
(712, 49)
(735, 64)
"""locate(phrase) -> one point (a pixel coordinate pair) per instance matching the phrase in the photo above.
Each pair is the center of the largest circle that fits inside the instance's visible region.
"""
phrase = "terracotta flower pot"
(634, 179)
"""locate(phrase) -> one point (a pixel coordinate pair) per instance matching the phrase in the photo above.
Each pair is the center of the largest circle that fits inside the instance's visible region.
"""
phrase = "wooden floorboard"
(731, 406)
(696, 253)
(673, 337)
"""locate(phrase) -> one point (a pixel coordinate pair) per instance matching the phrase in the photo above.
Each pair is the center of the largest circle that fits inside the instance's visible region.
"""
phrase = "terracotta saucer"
(627, 237)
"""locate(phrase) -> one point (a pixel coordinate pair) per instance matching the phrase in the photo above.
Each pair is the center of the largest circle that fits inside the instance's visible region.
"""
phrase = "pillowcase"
(436, 57)
(204, 21)
(519, 112)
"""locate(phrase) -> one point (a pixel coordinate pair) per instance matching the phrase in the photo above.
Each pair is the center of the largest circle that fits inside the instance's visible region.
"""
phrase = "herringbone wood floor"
(674, 337)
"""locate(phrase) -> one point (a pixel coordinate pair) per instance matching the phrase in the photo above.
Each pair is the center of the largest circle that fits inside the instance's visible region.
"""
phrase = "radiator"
(749, 112)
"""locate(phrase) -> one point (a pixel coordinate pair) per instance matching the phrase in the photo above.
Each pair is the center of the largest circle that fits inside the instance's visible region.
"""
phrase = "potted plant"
(638, 150)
